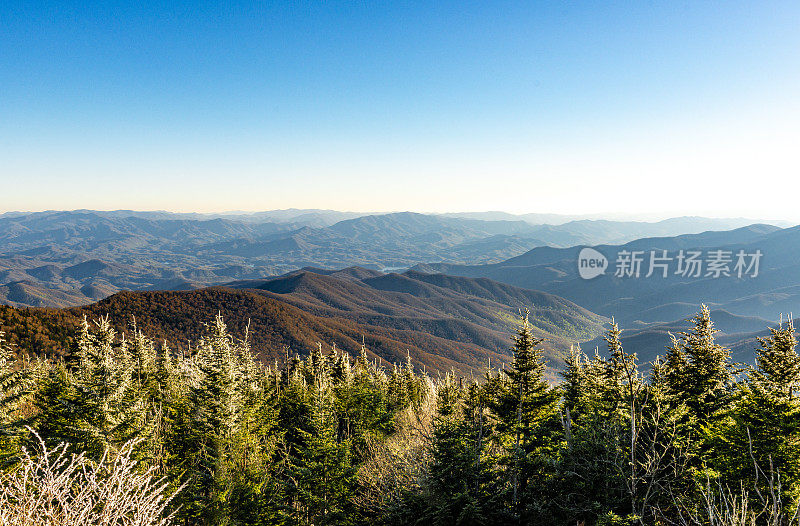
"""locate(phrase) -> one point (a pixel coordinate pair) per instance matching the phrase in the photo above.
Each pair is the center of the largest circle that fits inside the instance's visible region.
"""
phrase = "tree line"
(333, 439)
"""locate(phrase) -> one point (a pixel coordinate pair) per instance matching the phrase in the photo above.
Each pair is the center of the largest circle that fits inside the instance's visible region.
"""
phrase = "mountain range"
(61, 259)
(652, 307)
(437, 285)
(660, 299)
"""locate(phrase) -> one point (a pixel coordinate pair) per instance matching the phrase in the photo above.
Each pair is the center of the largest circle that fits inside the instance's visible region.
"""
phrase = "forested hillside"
(444, 323)
(652, 302)
(277, 329)
(336, 438)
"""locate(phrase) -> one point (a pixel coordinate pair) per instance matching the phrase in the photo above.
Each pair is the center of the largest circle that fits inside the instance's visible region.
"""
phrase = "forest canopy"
(330, 438)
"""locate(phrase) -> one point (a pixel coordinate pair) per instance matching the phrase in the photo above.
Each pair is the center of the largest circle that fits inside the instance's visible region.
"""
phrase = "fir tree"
(778, 361)
(54, 404)
(698, 371)
(325, 477)
(527, 413)
(13, 389)
(594, 418)
(108, 407)
(461, 488)
(760, 439)
(214, 405)
(573, 386)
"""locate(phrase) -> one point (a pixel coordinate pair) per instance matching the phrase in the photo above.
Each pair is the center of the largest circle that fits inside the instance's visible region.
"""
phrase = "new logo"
(591, 263)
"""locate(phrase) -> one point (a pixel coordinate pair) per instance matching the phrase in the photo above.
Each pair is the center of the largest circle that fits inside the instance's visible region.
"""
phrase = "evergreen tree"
(700, 372)
(54, 408)
(106, 406)
(760, 439)
(324, 474)
(778, 361)
(214, 414)
(573, 385)
(698, 375)
(461, 488)
(527, 422)
(257, 496)
(13, 388)
(596, 460)
(608, 445)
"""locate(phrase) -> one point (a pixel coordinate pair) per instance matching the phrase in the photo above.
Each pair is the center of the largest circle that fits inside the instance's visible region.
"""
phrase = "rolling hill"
(658, 299)
(275, 328)
(476, 310)
(444, 323)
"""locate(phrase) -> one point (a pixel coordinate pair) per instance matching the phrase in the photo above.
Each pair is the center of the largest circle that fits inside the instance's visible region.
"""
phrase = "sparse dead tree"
(57, 488)
(719, 505)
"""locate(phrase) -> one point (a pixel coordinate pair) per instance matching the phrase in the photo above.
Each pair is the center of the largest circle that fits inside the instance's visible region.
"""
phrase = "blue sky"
(663, 108)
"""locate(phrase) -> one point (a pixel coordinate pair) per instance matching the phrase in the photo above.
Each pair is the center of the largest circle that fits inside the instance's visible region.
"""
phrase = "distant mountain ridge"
(739, 333)
(60, 259)
(639, 303)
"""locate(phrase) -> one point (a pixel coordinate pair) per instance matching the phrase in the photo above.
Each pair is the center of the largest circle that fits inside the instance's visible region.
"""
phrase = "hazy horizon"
(620, 216)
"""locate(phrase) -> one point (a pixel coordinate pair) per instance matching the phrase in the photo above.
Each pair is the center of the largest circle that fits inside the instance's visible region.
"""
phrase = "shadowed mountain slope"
(474, 310)
(661, 299)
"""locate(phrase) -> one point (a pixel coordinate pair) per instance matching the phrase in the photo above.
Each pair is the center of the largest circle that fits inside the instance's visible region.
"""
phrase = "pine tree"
(760, 439)
(14, 382)
(697, 379)
(108, 408)
(624, 387)
(399, 396)
(55, 411)
(362, 362)
(214, 404)
(527, 414)
(324, 474)
(573, 387)
(367, 403)
(165, 400)
(256, 495)
(778, 361)
(259, 446)
(699, 373)
(759, 443)
(461, 488)
(622, 376)
(596, 460)
(412, 382)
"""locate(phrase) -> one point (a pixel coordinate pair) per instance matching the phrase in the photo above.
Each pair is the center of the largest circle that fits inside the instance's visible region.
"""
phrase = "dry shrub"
(400, 462)
(721, 506)
(57, 488)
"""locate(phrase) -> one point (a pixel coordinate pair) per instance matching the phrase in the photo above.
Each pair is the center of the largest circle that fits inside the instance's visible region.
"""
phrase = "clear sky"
(664, 108)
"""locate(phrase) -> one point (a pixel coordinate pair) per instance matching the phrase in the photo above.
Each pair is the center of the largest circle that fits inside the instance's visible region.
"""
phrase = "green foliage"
(778, 361)
(332, 439)
(699, 370)
(13, 388)
(322, 471)
(759, 439)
